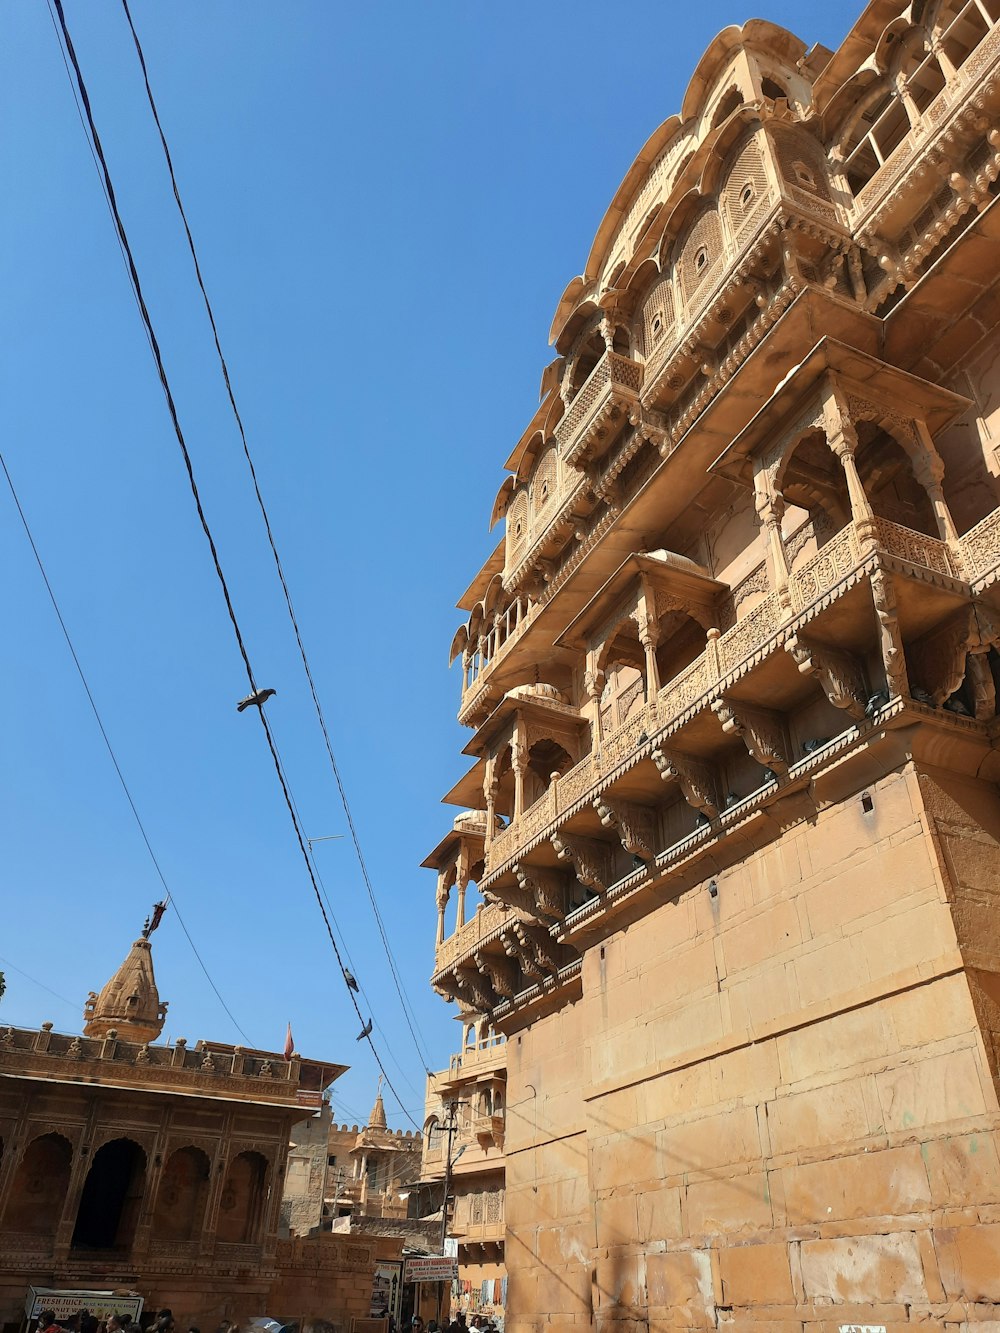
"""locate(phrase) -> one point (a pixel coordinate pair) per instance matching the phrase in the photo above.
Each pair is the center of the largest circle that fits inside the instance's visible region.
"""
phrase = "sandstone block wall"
(775, 1106)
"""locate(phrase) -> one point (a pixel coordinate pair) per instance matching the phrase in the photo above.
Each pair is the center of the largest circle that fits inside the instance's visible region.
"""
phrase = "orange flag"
(289, 1043)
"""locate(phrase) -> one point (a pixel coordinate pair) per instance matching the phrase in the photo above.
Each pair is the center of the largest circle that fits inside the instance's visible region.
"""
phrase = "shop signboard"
(431, 1268)
(387, 1291)
(68, 1302)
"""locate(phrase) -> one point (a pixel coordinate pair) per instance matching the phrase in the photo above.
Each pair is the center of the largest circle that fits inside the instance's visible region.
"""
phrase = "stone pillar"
(461, 884)
(490, 795)
(83, 1155)
(519, 763)
(593, 684)
(843, 440)
(649, 638)
(930, 474)
(442, 902)
(151, 1184)
(891, 638)
(770, 508)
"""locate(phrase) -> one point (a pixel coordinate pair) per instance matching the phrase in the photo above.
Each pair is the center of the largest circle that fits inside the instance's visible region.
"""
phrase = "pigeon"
(365, 1031)
(877, 702)
(921, 696)
(701, 820)
(956, 706)
(809, 747)
(770, 775)
(261, 697)
(351, 980)
(731, 799)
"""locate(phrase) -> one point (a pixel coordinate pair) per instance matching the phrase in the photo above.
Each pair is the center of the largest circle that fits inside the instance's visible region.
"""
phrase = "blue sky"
(388, 201)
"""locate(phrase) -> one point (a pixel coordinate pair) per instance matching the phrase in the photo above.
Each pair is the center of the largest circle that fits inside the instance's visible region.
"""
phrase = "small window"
(804, 175)
(545, 491)
(331, 1160)
(517, 528)
(701, 259)
(746, 194)
(772, 89)
(657, 324)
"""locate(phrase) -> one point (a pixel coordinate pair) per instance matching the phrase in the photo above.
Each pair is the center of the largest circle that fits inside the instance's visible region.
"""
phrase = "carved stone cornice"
(547, 889)
(761, 730)
(697, 779)
(475, 988)
(840, 675)
(590, 857)
(512, 895)
(636, 824)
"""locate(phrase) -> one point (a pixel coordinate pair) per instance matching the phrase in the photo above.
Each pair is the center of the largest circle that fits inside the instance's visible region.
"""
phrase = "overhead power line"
(206, 529)
(404, 1002)
(110, 748)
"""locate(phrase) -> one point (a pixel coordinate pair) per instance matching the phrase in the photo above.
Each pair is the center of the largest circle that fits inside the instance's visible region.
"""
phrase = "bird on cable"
(351, 980)
(365, 1031)
(259, 698)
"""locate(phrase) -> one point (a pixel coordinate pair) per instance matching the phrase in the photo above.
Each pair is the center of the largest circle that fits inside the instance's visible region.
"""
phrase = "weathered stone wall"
(306, 1175)
(328, 1277)
(775, 1105)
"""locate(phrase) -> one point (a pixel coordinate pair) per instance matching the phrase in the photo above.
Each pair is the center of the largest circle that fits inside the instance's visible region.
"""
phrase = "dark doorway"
(112, 1195)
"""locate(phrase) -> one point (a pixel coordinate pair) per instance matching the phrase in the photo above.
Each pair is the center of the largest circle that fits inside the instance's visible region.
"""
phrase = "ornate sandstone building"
(731, 675)
(127, 1165)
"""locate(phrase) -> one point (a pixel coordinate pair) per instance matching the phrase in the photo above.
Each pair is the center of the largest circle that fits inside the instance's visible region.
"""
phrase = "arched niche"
(682, 639)
(241, 1207)
(179, 1214)
(545, 757)
(112, 1196)
(38, 1190)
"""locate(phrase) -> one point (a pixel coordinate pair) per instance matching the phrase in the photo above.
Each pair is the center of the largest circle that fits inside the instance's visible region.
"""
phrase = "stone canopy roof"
(129, 1002)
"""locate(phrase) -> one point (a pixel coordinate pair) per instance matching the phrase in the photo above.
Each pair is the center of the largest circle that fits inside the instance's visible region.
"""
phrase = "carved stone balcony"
(489, 1129)
(954, 141)
(872, 589)
(600, 409)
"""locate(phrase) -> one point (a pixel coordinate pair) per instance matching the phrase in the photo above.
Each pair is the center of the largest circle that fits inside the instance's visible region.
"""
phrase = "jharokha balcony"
(843, 636)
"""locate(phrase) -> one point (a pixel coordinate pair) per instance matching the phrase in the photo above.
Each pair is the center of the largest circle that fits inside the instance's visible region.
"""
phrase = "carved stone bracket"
(761, 730)
(534, 949)
(590, 857)
(893, 658)
(512, 895)
(502, 974)
(636, 824)
(547, 889)
(697, 779)
(839, 674)
(475, 989)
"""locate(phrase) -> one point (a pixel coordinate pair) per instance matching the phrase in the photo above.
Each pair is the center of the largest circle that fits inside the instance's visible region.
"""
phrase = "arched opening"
(772, 88)
(38, 1190)
(682, 640)
(473, 897)
(545, 757)
(732, 101)
(813, 482)
(241, 1207)
(587, 358)
(921, 74)
(503, 773)
(180, 1201)
(112, 1196)
(886, 472)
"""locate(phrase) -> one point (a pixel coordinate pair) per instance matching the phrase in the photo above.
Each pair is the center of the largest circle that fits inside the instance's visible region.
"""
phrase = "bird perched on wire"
(365, 1031)
(261, 697)
(351, 980)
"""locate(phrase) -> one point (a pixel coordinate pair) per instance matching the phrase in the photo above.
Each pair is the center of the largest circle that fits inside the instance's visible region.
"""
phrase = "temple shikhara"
(725, 874)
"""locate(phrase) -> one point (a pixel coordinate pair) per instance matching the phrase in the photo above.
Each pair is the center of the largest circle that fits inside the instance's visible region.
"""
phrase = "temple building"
(131, 1166)
(340, 1174)
(731, 802)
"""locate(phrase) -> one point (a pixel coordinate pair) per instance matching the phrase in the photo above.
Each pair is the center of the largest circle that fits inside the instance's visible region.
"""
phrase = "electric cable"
(110, 748)
(206, 529)
(73, 1004)
(405, 1004)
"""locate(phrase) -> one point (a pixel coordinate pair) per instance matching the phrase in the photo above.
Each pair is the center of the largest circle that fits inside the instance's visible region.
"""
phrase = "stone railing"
(915, 547)
(826, 568)
(980, 547)
(484, 925)
(614, 382)
(475, 1058)
(495, 644)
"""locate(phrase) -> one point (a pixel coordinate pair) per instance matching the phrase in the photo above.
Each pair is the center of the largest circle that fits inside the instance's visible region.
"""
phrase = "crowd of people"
(85, 1322)
(480, 1324)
